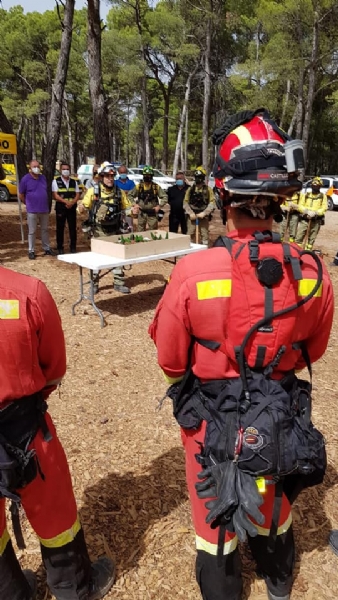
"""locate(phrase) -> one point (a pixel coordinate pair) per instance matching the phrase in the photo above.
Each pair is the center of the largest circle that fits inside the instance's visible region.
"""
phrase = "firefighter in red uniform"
(196, 306)
(32, 365)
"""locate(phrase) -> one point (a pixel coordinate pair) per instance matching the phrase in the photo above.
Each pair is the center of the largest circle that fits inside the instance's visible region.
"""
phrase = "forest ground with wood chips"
(125, 457)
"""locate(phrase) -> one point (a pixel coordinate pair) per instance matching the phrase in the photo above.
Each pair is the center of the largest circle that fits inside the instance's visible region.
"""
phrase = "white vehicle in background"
(136, 178)
(164, 181)
(330, 188)
(85, 173)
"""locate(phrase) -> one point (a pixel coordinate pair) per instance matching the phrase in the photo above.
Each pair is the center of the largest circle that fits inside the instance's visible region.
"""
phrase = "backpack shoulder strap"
(225, 242)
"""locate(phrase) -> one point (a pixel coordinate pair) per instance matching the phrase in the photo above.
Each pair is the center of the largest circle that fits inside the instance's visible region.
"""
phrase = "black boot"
(273, 597)
(32, 582)
(103, 577)
(123, 289)
(96, 282)
(333, 540)
(68, 569)
(13, 583)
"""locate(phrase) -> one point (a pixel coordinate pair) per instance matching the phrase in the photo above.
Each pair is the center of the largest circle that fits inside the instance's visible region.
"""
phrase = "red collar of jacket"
(244, 234)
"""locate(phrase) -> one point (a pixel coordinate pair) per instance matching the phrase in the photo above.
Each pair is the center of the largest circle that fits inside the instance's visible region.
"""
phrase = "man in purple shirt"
(33, 193)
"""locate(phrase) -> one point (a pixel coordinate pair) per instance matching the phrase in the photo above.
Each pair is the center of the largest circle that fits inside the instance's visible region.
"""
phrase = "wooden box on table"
(112, 246)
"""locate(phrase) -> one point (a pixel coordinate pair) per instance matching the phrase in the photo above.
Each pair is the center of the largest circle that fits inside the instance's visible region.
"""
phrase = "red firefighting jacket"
(197, 301)
(32, 345)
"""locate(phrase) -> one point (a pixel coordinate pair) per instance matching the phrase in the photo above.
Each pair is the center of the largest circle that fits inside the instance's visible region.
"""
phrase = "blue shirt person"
(123, 182)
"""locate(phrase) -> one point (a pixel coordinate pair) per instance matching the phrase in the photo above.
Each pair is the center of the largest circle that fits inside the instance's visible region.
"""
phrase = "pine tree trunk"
(178, 149)
(96, 89)
(311, 87)
(146, 137)
(207, 95)
(54, 122)
(70, 135)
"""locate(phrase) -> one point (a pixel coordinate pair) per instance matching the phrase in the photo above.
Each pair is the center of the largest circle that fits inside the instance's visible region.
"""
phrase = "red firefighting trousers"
(50, 507)
(220, 578)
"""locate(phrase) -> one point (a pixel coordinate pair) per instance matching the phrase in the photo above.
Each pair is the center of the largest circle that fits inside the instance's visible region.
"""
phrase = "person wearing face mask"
(176, 193)
(147, 199)
(126, 185)
(66, 194)
(123, 182)
(95, 179)
(199, 203)
(109, 207)
(33, 193)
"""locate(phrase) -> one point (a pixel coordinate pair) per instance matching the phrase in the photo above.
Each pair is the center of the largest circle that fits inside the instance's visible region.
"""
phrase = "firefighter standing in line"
(312, 208)
(33, 364)
(199, 203)
(147, 199)
(66, 194)
(290, 218)
(176, 194)
(196, 307)
(108, 205)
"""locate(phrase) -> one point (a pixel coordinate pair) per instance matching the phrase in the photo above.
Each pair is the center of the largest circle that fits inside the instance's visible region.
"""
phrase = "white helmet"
(106, 167)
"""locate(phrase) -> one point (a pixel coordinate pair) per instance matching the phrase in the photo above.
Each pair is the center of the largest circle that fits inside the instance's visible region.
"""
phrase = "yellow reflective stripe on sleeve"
(216, 288)
(172, 380)
(281, 529)
(305, 286)
(9, 309)
(210, 548)
(63, 538)
(243, 135)
(4, 539)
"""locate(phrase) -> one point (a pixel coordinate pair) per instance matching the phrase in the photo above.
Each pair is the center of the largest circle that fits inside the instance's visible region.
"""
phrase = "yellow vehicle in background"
(10, 167)
(8, 190)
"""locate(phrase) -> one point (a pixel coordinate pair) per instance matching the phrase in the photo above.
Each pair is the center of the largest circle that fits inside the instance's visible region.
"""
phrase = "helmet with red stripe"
(256, 157)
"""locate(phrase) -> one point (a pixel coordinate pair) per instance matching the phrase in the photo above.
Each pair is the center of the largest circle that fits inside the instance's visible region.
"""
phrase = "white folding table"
(98, 262)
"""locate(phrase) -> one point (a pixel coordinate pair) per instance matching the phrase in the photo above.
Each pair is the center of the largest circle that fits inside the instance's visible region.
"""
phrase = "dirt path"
(126, 458)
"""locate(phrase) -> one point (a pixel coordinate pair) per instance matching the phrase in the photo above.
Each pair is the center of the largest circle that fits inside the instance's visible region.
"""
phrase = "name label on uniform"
(9, 309)
(214, 288)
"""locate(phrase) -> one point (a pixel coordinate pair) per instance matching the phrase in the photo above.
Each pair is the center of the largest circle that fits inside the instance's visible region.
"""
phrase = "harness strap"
(15, 516)
(220, 542)
(268, 304)
(254, 251)
(277, 506)
(293, 261)
(260, 356)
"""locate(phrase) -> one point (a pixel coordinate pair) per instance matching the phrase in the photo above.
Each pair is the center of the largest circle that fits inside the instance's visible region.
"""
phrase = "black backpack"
(262, 424)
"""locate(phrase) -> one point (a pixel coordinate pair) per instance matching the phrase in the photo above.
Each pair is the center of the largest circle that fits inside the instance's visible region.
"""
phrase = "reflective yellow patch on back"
(243, 135)
(9, 309)
(305, 286)
(215, 288)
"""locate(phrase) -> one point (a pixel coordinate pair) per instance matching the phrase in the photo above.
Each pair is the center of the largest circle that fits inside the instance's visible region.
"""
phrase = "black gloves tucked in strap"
(234, 496)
